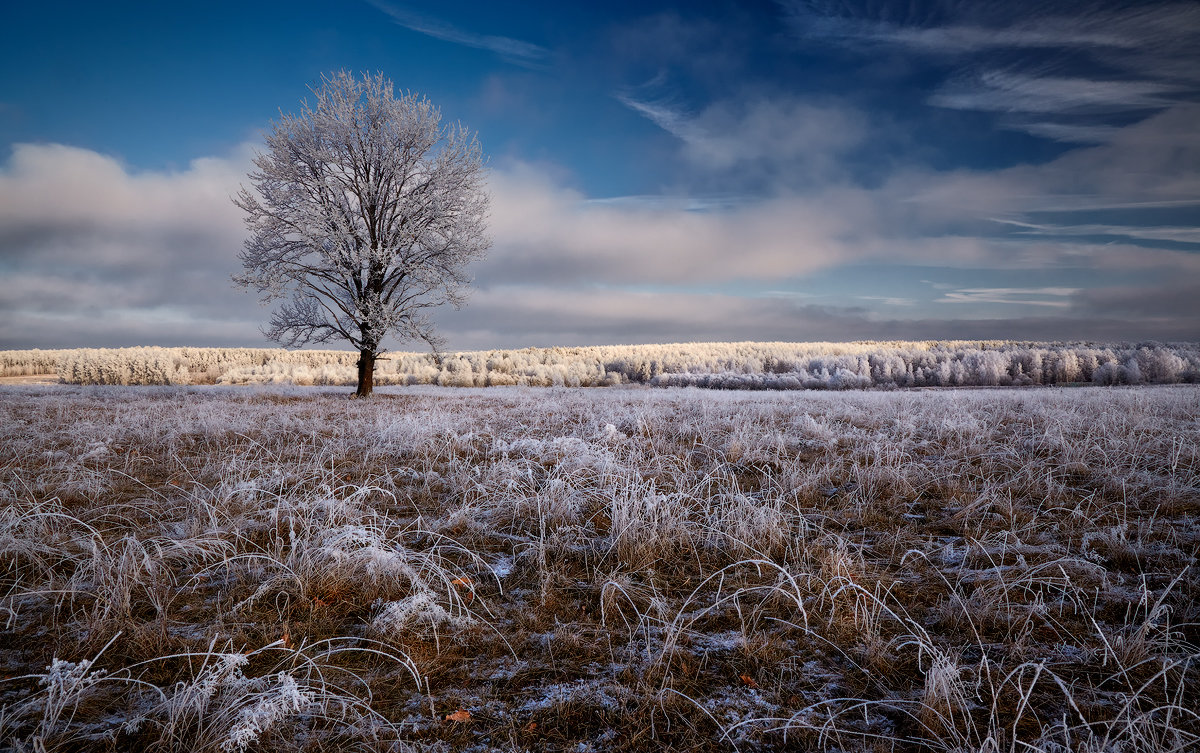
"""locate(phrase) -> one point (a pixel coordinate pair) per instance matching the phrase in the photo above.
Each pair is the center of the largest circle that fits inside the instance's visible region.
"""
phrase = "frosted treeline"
(202, 365)
(745, 365)
(29, 362)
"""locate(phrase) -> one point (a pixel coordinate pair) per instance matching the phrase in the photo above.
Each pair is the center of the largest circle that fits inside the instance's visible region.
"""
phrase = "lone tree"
(366, 212)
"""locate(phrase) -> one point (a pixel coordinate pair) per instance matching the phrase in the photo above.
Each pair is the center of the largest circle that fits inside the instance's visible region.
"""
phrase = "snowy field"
(629, 569)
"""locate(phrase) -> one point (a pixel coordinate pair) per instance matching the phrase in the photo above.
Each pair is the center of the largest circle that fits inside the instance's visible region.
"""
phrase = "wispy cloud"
(779, 141)
(1024, 56)
(1013, 296)
(1182, 234)
(1003, 91)
(666, 116)
(514, 51)
(1069, 133)
(976, 28)
(887, 300)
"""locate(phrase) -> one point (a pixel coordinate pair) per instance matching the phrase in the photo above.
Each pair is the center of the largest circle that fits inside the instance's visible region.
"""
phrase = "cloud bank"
(96, 254)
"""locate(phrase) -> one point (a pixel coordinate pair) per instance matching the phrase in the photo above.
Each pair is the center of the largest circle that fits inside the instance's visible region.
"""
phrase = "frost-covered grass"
(745, 365)
(627, 569)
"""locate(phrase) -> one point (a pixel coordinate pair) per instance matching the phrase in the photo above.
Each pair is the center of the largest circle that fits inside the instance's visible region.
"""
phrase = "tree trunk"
(366, 373)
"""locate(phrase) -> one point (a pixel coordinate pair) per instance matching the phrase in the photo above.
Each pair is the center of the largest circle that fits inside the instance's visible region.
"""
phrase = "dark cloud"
(1175, 302)
(521, 317)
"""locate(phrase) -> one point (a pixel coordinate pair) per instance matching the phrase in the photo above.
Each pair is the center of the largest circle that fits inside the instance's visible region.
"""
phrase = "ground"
(599, 569)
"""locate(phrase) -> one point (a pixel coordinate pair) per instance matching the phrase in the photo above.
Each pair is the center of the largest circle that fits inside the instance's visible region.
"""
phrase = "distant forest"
(743, 365)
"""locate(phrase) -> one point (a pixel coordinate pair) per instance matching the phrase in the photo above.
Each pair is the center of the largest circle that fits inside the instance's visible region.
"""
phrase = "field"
(628, 569)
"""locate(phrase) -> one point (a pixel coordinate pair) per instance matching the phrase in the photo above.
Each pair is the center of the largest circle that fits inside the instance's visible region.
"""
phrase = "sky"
(800, 170)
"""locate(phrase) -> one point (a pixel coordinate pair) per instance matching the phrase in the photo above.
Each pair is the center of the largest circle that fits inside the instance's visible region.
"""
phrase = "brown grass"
(618, 570)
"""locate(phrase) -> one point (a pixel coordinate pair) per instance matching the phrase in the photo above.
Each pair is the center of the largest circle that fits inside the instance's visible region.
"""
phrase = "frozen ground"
(621, 569)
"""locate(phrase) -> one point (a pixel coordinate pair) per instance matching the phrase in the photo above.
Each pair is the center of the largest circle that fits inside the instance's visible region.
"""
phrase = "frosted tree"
(365, 214)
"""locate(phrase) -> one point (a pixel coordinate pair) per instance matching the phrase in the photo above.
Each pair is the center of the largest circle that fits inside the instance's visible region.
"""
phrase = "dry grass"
(627, 569)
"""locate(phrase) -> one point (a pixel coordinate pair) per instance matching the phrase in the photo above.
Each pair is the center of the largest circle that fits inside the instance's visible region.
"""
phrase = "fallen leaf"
(461, 715)
(748, 681)
(531, 727)
(466, 583)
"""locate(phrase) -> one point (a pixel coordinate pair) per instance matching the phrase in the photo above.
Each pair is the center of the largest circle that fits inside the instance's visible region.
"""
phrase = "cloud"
(1176, 303)
(1023, 58)
(1004, 91)
(547, 231)
(780, 132)
(978, 28)
(1158, 233)
(512, 50)
(93, 253)
(959, 29)
(1069, 133)
(1154, 162)
(1014, 296)
(522, 316)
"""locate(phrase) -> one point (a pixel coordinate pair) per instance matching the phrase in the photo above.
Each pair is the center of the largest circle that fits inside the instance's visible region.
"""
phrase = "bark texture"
(366, 373)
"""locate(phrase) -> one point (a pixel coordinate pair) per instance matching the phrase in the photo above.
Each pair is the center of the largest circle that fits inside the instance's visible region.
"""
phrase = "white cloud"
(56, 185)
(1006, 91)
(1155, 162)
(782, 132)
(88, 246)
(1049, 296)
(1157, 233)
(96, 253)
(544, 229)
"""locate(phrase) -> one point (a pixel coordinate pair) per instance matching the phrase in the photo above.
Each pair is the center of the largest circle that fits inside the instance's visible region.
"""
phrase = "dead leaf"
(531, 727)
(748, 681)
(466, 583)
(461, 715)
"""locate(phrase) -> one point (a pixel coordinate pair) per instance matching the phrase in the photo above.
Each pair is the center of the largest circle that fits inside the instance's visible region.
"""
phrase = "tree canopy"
(365, 213)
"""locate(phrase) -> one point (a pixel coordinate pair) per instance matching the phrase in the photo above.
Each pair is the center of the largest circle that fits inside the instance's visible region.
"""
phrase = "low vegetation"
(617, 570)
(748, 365)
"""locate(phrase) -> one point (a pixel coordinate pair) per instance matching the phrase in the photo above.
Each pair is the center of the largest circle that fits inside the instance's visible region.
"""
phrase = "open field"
(606, 570)
(722, 365)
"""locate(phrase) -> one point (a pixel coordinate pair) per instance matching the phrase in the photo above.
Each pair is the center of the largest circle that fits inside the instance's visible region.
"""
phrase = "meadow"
(628, 569)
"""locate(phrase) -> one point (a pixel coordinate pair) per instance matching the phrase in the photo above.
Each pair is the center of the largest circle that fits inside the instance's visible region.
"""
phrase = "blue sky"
(793, 170)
